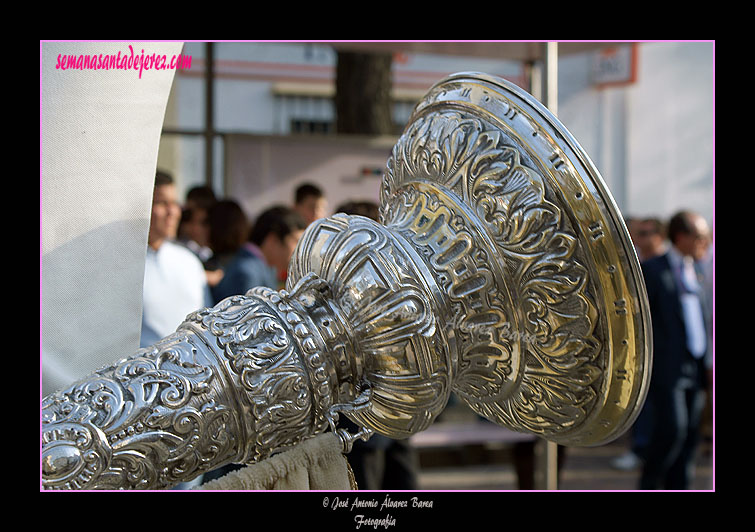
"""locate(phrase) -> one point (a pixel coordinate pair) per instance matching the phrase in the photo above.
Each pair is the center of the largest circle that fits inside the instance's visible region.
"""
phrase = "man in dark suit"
(682, 351)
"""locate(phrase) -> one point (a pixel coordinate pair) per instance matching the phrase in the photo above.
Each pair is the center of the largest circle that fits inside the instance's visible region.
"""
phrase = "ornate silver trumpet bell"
(501, 271)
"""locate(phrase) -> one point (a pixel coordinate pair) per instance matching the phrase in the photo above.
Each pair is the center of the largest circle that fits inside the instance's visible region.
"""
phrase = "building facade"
(649, 131)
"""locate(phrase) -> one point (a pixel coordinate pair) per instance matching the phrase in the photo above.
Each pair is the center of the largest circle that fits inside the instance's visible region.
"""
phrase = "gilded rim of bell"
(551, 163)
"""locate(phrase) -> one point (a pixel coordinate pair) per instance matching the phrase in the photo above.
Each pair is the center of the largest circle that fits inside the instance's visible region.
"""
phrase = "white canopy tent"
(99, 137)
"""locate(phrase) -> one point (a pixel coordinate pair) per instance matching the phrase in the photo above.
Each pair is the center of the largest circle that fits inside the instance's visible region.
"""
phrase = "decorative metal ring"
(546, 300)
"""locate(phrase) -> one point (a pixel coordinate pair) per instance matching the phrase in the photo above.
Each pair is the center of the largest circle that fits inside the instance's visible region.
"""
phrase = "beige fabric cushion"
(315, 464)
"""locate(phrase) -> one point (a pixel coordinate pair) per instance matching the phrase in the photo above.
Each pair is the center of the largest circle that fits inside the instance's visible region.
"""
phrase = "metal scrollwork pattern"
(553, 324)
(518, 229)
(262, 338)
(235, 383)
(381, 299)
(145, 422)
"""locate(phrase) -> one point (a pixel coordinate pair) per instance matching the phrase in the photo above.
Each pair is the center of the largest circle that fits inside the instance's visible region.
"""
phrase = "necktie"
(692, 309)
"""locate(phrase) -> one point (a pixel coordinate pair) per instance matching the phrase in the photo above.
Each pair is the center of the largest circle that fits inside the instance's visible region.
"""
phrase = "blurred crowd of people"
(677, 265)
(217, 237)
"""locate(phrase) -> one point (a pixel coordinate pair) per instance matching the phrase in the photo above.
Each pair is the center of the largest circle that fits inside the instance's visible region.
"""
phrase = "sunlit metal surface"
(501, 271)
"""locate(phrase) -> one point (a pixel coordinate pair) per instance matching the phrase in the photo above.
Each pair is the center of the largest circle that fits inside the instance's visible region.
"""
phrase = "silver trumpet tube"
(501, 271)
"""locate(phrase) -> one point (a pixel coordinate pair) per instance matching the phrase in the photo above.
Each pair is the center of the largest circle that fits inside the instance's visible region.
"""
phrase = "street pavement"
(489, 467)
(582, 469)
